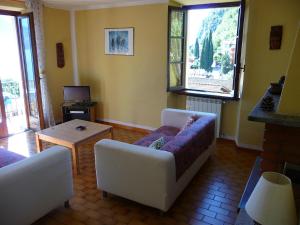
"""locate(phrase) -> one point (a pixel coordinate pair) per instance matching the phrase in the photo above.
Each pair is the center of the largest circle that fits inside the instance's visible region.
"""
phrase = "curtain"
(36, 6)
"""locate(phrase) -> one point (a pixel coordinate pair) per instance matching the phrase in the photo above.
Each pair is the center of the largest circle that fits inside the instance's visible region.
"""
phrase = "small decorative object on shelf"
(267, 104)
(276, 88)
(281, 80)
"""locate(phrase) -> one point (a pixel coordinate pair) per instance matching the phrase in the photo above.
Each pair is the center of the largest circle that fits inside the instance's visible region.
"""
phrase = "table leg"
(39, 145)
(75, 160)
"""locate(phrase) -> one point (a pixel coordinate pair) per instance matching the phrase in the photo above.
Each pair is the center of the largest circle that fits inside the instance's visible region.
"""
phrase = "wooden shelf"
(258, 115)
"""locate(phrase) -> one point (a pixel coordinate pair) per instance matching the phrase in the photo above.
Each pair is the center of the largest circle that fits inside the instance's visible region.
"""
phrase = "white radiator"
(206, 105)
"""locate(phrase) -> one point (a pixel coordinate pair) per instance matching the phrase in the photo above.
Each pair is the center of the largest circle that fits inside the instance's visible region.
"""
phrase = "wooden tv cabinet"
(82, 111)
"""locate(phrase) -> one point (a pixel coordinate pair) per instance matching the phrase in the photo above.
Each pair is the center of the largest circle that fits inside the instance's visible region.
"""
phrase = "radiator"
(206, 105)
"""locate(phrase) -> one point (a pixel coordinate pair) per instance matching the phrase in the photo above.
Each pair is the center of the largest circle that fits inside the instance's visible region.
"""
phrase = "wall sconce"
(275, 37)
(60, 57)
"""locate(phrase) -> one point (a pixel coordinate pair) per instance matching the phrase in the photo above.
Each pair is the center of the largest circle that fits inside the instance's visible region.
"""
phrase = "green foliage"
(218, 58)
(223, 24)
(207, 54)
(196, 64)
(196, 51)
(211, 22)
(175, 74)
(227, 29)
(226, 65)
(11, 87)
(176, 34)
(175, 49)
(176, 23)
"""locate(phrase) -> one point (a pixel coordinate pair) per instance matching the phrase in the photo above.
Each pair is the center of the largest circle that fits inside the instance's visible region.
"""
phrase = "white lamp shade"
(272, 201)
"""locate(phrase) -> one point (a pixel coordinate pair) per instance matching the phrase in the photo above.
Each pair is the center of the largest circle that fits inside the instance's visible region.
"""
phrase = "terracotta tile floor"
(211, 197)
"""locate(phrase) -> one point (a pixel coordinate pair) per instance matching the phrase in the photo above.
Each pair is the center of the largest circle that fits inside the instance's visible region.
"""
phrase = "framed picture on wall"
(119, 41)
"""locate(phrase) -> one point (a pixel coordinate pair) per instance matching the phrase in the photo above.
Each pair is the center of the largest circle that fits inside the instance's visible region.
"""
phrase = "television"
(77, 94)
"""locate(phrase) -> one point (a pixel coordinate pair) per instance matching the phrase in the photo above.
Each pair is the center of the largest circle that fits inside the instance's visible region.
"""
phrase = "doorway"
(20, 100)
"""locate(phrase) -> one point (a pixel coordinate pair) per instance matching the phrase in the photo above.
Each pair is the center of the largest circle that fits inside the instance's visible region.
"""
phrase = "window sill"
(197, 93)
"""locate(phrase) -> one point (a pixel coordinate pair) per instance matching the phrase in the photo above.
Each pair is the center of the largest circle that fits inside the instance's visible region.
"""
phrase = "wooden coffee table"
(67, 135)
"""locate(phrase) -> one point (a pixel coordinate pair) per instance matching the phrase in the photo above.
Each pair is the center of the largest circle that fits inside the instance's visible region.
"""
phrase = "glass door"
(12, 101)
(3, 125)
(31, 71)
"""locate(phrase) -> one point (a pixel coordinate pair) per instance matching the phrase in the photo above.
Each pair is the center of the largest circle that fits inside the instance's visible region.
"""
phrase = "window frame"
(237, 66)
(181, 86)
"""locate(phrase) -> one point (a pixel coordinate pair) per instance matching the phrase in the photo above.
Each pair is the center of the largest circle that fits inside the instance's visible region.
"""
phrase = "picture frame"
(119, 41)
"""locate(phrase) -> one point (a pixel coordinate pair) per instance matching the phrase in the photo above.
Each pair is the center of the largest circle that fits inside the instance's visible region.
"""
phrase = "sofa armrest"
(34, 186)
(177, 117)
(131, 171)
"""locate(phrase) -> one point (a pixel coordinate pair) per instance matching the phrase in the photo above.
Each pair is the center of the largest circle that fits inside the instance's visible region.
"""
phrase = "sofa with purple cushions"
(156, 177)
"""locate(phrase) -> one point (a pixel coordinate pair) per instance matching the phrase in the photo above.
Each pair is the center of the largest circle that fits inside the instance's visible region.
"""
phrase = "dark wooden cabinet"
(281, 144)
(80, 111)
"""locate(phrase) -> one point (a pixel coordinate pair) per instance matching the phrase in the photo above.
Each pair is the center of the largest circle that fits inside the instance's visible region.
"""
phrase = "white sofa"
(145, 175)
(32, 187)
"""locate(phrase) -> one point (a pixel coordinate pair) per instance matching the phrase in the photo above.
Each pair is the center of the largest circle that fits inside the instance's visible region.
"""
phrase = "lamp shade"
(272, 201)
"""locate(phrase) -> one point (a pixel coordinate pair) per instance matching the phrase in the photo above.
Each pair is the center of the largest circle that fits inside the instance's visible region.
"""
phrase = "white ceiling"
(90, 4)
(94, 4)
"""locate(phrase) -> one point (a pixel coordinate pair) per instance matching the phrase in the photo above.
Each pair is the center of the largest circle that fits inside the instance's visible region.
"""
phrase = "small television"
(77, 94)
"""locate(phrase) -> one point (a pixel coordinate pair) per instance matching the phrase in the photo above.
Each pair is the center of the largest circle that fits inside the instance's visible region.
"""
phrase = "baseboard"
(128, 126)
(231, 138)
(248, 146)
(241, 145)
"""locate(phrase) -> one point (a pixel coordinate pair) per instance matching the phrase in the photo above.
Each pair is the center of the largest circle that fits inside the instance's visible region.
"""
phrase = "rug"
(8, 157)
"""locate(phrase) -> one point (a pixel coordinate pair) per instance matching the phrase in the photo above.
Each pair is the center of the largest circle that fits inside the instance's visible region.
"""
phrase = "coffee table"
(67, 135)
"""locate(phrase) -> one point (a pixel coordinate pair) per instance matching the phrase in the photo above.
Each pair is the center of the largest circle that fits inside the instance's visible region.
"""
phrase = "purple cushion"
(187, 145)
(167, 132)
(190, 143)
(7, 157)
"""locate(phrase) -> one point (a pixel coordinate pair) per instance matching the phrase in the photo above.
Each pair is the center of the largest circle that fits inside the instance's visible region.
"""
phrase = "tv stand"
(79, 110)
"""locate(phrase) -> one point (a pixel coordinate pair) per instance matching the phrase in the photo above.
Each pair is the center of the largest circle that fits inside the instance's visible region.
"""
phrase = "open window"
(204, 49)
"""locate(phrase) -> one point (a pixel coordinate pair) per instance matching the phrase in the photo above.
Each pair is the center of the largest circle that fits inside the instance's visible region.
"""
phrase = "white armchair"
(142, 174)
(32, 187)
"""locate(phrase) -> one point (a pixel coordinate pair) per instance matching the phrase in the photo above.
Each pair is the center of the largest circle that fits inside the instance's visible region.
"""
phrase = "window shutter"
(176, 45)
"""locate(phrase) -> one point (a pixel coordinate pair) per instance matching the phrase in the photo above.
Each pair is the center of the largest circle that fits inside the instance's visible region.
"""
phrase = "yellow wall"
(264, 65)
(130, 89)
(12, 5)
(57, 29)
(290, 99)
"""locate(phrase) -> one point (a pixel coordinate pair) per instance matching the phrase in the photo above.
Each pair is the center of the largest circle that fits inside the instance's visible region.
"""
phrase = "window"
(204, 49)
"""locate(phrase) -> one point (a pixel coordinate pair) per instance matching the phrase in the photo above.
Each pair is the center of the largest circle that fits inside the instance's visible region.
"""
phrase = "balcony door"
(31, 71)
(3, 124)
(20, 94)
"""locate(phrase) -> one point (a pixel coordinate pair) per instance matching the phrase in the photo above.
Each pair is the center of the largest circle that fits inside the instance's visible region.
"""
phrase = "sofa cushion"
(188, 123)
(190, 143)
(157, 144)
(167, 132)
(7, 157)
